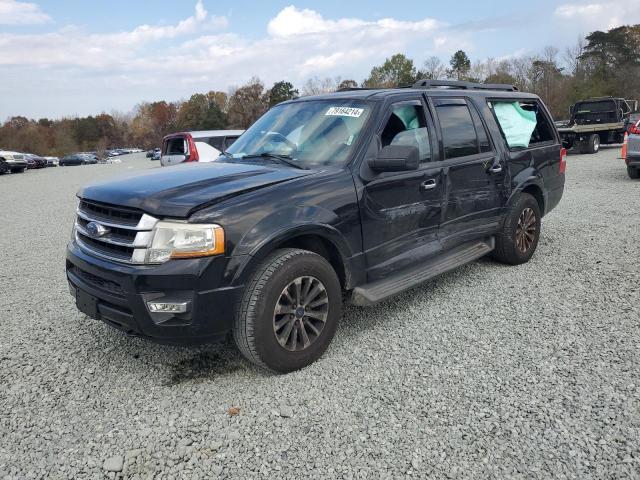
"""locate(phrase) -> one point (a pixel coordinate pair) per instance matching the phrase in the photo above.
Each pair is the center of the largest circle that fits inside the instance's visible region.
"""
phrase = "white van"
(200, 146)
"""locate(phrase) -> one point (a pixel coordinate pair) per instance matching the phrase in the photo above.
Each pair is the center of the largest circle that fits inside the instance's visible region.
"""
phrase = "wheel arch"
(533, 188)
(322, 240)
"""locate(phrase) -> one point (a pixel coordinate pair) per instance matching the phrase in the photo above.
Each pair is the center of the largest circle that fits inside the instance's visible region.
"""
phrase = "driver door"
(400, 211)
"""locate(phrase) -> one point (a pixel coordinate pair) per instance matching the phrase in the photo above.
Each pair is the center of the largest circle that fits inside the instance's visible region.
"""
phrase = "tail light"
(634, 130)
(193, 151)
(563, 160)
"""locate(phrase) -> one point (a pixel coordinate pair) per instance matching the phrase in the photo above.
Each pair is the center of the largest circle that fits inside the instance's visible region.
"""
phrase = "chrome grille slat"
(132, 232)
(112, 239)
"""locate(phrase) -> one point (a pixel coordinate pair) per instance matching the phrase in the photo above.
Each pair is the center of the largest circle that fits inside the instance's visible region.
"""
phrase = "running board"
(379, 290)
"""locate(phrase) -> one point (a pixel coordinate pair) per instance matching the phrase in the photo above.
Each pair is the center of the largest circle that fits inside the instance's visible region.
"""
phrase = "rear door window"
(459, 136)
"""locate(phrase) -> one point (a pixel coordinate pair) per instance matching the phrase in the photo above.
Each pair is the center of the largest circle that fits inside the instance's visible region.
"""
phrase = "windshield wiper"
(286, 159)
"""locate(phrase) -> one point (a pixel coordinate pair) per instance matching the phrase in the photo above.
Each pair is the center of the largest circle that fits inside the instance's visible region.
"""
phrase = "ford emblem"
(96, 230)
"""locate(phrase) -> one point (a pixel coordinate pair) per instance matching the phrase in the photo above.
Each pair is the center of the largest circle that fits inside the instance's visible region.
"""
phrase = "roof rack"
(458, 84)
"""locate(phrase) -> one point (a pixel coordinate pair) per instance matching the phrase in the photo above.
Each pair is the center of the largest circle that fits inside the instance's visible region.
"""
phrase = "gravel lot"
(487, 372)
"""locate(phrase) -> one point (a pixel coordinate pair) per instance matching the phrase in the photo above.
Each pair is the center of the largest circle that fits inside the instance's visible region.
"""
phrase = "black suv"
(363, 192)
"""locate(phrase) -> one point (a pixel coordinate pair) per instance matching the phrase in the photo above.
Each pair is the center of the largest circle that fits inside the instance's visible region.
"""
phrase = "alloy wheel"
(300, 313)
(526, 230)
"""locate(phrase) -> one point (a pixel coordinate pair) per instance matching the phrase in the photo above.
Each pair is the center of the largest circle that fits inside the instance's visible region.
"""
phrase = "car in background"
(634, 118)
(149, 153)
(35, 161)
(12, 161)
(52, 161)
(198, 146)
(633, 151)
(154, 154)
(78, 159)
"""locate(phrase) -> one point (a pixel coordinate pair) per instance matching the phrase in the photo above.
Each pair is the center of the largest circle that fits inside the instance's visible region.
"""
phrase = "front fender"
(284, 225)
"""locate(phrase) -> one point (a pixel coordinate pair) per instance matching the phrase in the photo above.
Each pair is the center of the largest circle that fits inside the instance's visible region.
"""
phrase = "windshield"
(306, 134)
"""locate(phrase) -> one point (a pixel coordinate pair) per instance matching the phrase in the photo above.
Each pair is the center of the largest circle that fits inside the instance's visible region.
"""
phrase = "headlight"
(185, 240)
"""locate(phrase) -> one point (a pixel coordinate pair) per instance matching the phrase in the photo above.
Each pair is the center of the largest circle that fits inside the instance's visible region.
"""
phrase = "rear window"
(588, 107)
(523, 123)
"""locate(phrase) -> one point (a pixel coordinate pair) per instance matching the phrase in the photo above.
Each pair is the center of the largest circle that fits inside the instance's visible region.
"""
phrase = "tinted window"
(458, 132)
(407, 127)
(215, 142)
(483, 138)
(176, 146)
(229, 141)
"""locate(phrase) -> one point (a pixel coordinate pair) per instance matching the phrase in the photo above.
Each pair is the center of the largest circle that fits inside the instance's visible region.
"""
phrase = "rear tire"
(289, 311)
(633, 172)
(518, 240)
(593, 144)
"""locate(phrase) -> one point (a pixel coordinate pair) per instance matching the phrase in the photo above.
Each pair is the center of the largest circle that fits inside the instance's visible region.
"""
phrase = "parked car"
(156, 154)
(12, 161)
(634, 118)
(361, 193)
(78, 159)
(35, 161)
(201, 146)
(149, 153)
(52, 161)
(633, 151)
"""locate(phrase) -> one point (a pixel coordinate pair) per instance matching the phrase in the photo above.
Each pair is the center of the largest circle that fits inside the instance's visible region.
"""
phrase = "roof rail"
(464, 85)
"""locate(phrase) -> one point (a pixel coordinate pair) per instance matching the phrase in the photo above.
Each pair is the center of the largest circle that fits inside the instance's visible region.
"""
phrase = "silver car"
(633, 151)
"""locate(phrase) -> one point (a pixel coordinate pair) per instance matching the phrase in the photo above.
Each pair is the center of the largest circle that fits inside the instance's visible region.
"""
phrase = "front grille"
(103, 284)
(122, 234)
(111, 214)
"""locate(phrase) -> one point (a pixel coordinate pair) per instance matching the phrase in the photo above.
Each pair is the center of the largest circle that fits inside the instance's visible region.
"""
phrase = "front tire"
(633, 172)
(520, 232)
(289, 311)
(4, 168)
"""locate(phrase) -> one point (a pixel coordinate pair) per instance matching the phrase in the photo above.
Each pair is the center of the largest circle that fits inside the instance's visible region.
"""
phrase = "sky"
(78, 57)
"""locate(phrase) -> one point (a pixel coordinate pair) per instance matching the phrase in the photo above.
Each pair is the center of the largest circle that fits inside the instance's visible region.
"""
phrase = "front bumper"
(118, 294)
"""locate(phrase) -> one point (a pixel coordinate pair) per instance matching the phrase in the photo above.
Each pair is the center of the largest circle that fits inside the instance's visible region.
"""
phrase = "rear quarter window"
(523, 123)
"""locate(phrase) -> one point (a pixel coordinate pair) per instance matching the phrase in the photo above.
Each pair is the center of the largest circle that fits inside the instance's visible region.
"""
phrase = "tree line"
(601, 64)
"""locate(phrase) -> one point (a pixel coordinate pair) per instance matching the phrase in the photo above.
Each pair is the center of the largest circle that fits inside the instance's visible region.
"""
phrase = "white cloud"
(196, 54)
(600, 15)
(13, 12)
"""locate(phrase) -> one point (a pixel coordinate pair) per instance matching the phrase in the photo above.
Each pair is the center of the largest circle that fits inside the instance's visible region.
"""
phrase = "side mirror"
(395, 158)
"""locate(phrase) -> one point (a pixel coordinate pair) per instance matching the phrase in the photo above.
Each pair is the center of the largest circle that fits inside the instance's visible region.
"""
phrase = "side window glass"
(229, 141)
(458, 132)
(216, 142)
(407, 127)
(483, 138)
(523, 123)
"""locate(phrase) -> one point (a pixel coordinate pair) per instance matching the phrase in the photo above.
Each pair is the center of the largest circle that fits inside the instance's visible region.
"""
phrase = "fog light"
(166, 307)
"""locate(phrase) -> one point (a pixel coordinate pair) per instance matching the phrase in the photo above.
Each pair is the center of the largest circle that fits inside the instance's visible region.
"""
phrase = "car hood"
(178, 191)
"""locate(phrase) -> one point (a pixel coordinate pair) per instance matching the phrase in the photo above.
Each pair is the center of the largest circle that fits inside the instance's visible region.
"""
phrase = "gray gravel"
(486, 372)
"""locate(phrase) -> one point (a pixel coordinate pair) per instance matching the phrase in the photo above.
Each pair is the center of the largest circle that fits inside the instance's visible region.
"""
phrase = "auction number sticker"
(345, 112)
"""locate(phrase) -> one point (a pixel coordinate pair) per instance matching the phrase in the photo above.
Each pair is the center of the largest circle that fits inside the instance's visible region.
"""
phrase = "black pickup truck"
(595, 122)
(359, 194)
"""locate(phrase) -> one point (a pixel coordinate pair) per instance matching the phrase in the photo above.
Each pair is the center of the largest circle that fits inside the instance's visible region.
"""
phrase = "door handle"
(496, 168)
(428, 184)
